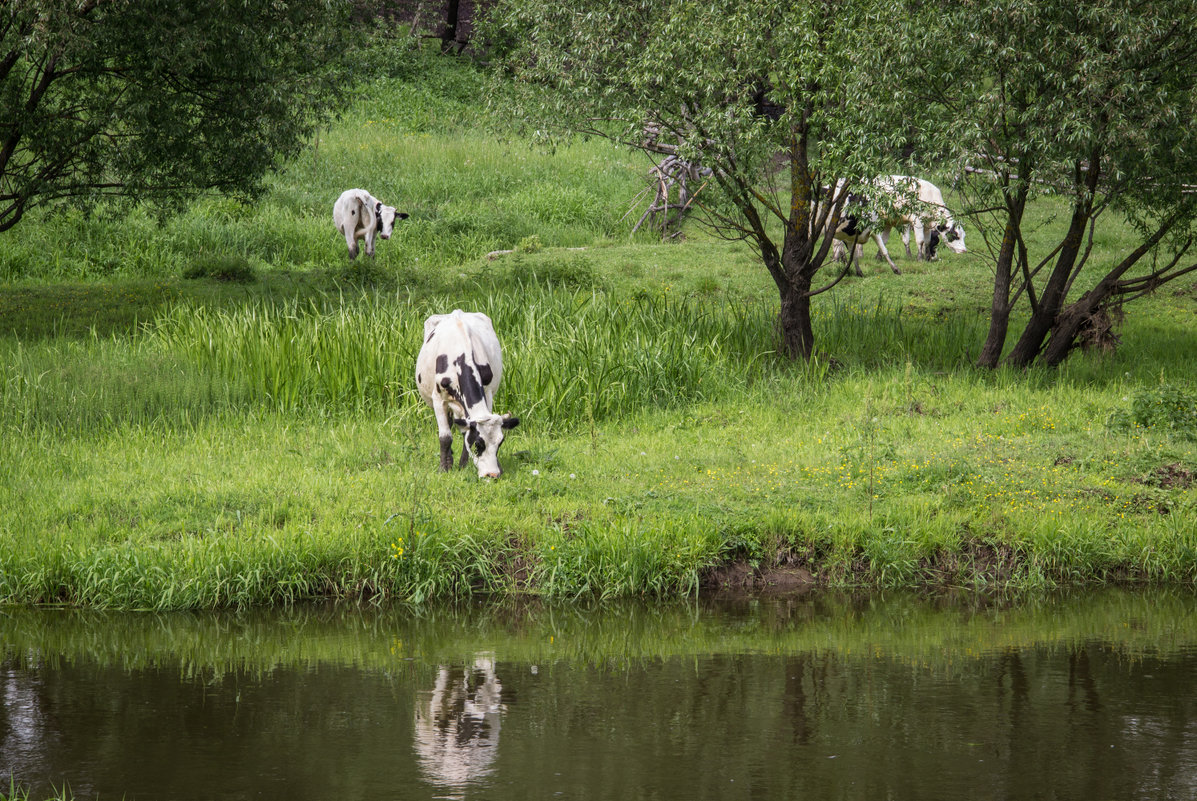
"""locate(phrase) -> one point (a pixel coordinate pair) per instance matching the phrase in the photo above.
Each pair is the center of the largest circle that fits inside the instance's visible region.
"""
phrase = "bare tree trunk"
(1067, 327)
(1051, 301)
(1043, 317)
(999, 309)
(794, 321)
(449, 34)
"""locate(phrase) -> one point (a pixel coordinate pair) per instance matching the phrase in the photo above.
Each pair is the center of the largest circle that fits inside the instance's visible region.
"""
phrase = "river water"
(1089, 696)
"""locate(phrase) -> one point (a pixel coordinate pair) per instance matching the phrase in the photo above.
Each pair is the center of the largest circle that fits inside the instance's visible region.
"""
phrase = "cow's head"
(386, 216)
(952, 233)
(483, 436)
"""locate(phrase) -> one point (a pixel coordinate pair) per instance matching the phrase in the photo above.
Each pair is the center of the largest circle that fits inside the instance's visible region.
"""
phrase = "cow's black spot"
(452, 392)
(442, 364)
(467, 382)
(485, 373)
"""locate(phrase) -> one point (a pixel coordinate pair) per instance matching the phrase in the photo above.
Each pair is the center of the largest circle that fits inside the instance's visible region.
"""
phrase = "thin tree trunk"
(999, 309)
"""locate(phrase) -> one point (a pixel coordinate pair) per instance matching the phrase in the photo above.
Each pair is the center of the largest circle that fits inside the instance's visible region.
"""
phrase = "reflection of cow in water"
(457, 724)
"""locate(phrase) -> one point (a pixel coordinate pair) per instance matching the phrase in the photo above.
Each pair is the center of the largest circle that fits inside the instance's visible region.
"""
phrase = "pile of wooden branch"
(670, 181)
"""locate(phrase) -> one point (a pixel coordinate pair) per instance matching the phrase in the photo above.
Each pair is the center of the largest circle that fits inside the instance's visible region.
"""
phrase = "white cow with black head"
(457, 372)
(911, 205)
(921, 209)
(359, 215)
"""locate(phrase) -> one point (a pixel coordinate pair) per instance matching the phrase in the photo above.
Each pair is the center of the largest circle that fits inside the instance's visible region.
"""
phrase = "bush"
(1167, 407)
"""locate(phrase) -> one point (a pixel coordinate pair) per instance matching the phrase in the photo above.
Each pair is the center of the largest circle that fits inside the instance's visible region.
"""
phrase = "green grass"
(218, 409)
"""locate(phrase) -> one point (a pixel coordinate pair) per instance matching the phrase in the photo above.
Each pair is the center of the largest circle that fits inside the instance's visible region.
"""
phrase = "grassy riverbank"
(218, 408)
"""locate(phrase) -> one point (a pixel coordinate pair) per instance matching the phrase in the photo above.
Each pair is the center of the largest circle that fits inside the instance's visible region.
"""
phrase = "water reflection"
(1074, 697)
(457, 723)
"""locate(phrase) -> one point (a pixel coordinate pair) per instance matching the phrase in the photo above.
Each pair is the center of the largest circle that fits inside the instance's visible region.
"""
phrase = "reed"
(571, 356)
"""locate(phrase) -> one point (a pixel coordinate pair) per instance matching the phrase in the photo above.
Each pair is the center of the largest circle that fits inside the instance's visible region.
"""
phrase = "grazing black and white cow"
(859, 221)
(922, 210)
(912, 205)
(457, 371)
(359, 215)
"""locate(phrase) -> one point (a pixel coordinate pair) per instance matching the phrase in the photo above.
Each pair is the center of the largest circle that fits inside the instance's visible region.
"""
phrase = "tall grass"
(571, 357)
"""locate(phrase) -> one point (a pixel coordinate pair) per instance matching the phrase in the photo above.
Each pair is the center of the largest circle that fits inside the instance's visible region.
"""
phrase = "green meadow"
(217, 408)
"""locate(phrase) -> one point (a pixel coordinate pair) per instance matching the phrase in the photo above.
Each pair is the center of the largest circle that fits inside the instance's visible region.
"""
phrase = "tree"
(157, 98)
(777, 98)
(1092, 102)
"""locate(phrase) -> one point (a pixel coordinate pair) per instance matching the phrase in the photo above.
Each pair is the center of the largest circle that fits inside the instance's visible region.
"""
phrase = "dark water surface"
(1079, 697)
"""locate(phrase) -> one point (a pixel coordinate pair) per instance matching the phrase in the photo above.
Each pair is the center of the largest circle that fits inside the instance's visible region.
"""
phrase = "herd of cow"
(460, 363)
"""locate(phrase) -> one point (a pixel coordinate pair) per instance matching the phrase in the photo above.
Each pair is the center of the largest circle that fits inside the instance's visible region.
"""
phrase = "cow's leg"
(837, 250)
(444, 433)
(881, 248)
(882, 238)
(854, 254)
(351, 241)
(919, 238)
(370, 243)
(465, 452)
(906, 239)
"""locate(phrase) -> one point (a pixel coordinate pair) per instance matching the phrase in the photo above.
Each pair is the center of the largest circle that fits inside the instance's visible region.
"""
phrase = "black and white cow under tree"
(457, 372)
(911, 205)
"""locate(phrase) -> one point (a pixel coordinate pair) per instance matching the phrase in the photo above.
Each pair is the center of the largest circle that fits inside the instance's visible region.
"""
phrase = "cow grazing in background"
(859, 221)
(923, 211)
(457, 372)
(359, 215)
(910, 204)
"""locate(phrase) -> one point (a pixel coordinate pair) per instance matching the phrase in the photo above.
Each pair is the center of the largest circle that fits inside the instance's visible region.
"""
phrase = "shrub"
(1167, 407)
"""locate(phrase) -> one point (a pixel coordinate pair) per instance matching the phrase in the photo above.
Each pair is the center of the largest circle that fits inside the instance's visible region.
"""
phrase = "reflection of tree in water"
(457, 724)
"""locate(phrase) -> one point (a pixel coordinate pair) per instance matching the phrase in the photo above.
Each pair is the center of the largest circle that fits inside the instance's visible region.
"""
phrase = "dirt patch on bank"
(745, 577)
(1171, 476)
(970, 564)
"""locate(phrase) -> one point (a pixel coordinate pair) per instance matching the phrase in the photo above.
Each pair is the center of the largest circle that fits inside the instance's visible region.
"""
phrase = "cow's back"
(459, 334)
(349, 212)
(929, 193)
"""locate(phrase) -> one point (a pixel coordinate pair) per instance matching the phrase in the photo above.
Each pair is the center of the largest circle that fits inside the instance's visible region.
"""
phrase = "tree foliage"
(778, 99)
(1092, 102)
(157, 98)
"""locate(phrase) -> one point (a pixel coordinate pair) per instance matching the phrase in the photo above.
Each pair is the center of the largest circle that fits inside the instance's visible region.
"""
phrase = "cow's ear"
(464, 425)
(378, 207)
(510, 422)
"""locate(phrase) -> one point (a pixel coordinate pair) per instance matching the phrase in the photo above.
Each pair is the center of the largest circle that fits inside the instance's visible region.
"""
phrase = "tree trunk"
(794, 322)
(1069, 323)
(999, 309)
(449, 34)
(1051, 301)
(1065, 331)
